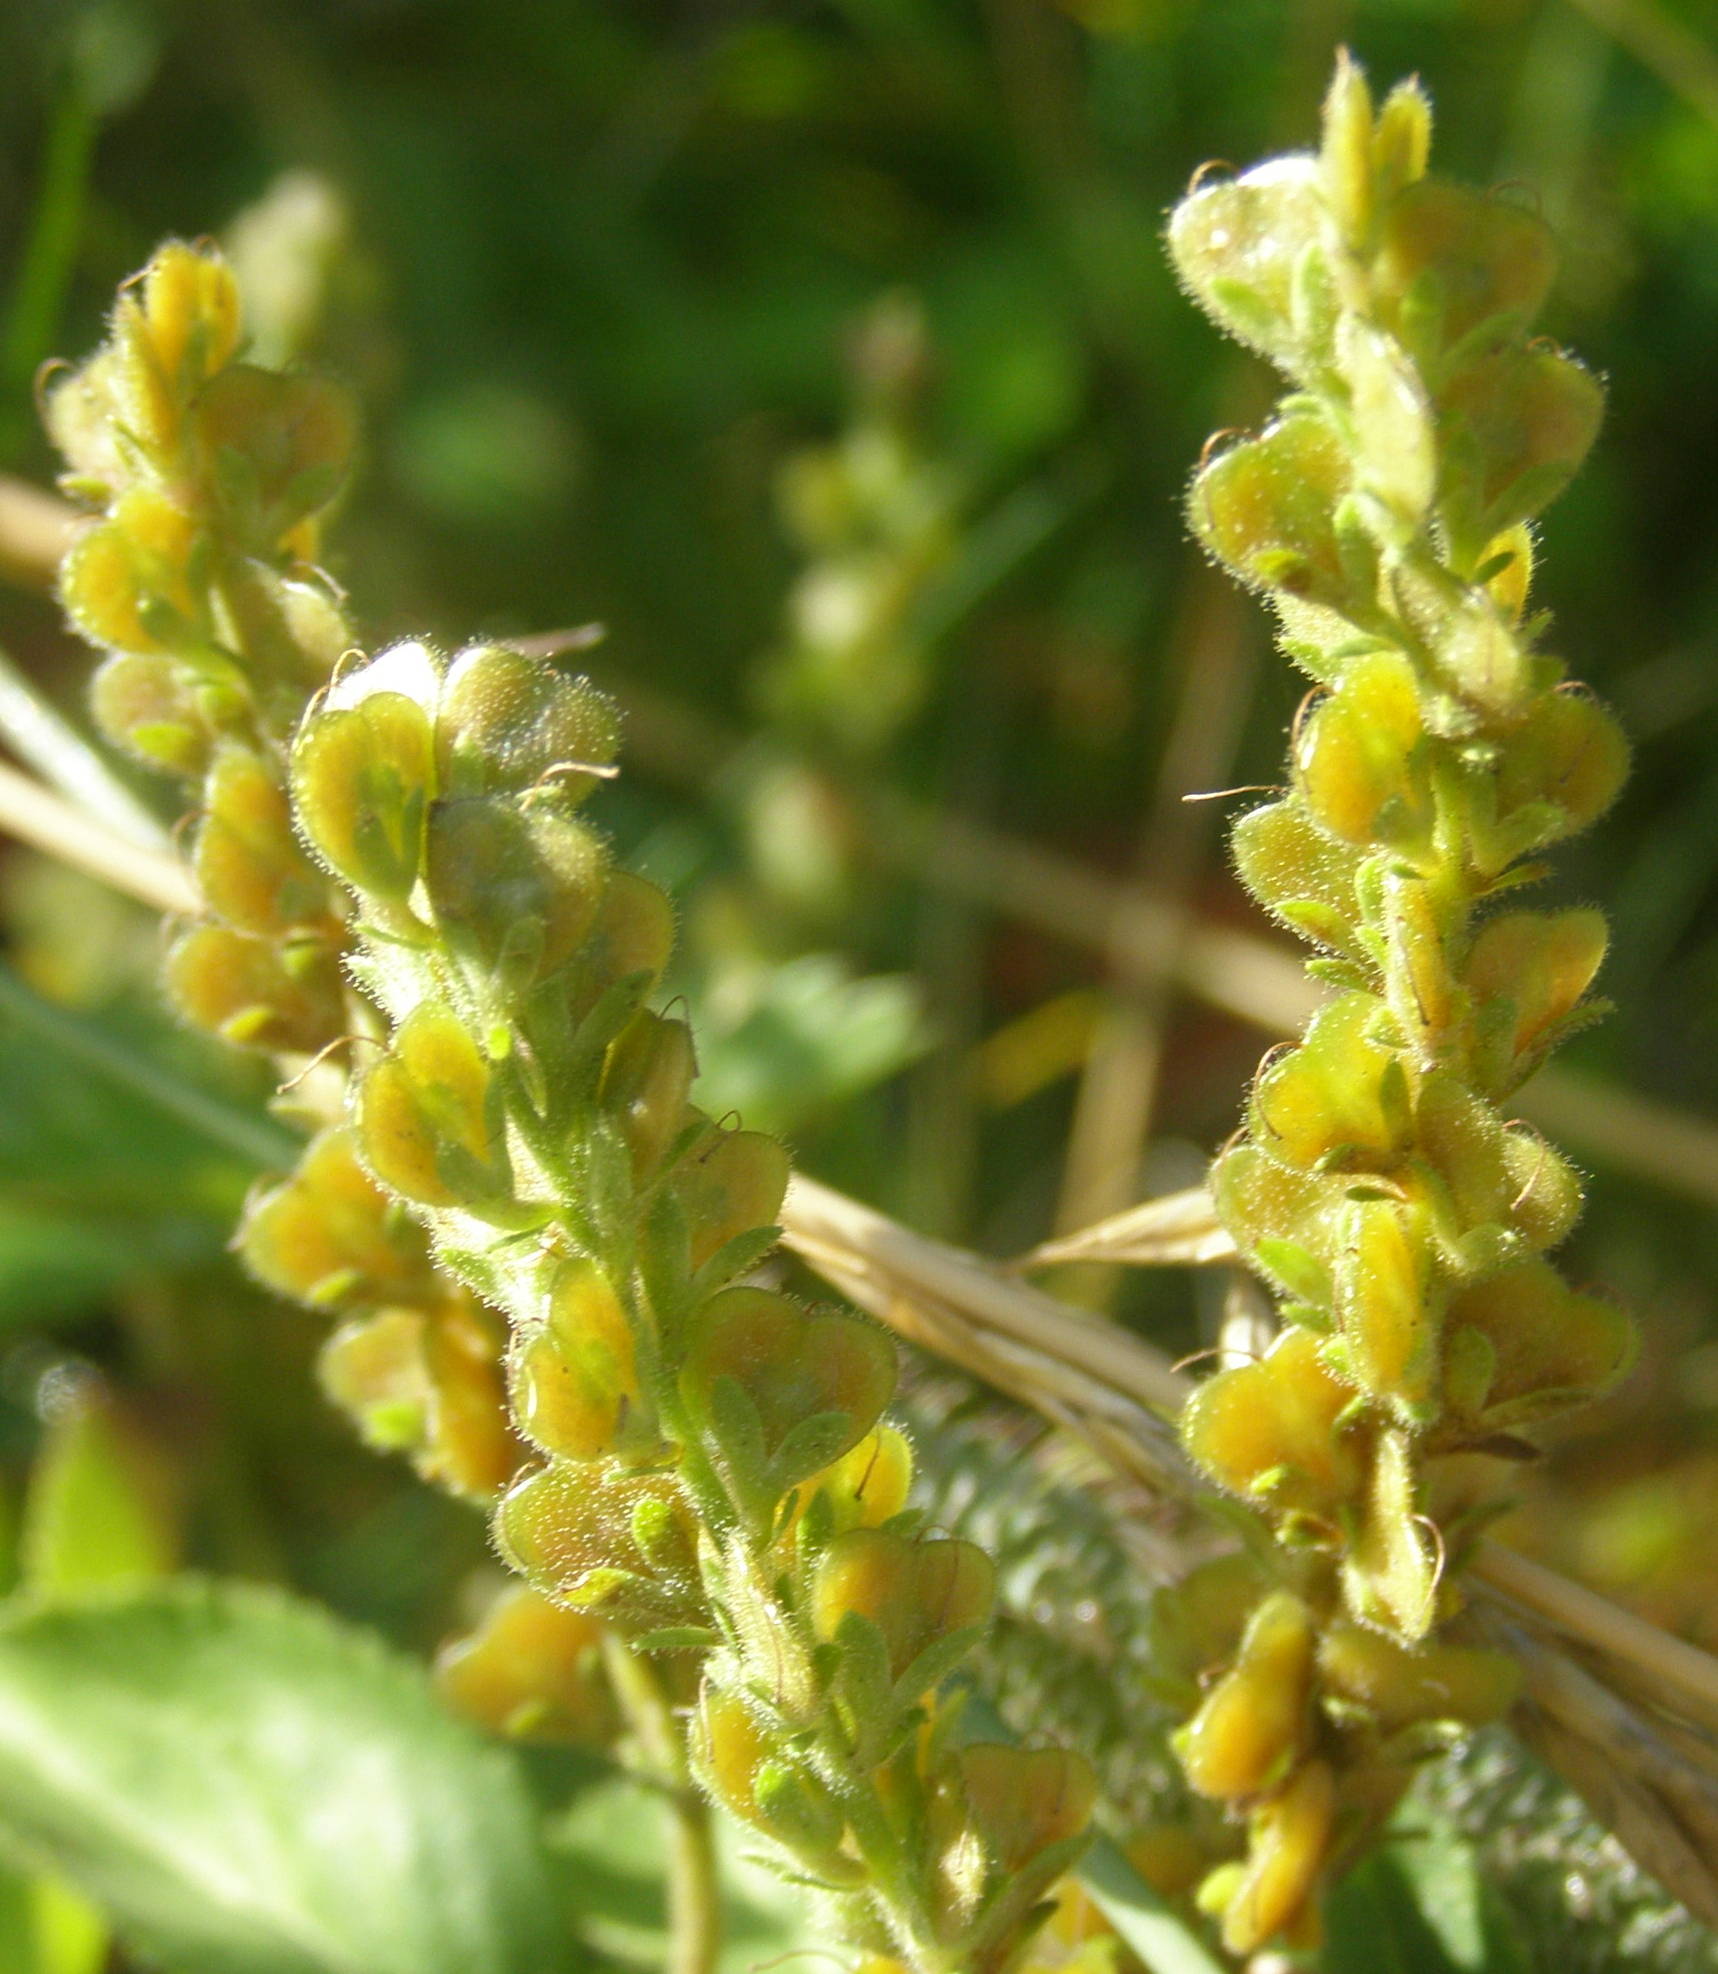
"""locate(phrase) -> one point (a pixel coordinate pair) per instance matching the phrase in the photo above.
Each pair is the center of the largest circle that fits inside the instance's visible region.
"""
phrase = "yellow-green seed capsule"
(531, 1671)
(424, 1118)
(914, 1591)
(330, 1236)
(1394, 1686)
(1020, 1801)
(1358, 763)
(1271, 1427)
(248, 863)
(508, 723)
(576, 1384)
(362, 780)
(1264, 508)
(730, 1186)
(1254, 1722)
(257, 993)
(1287, 1848)
(793, 1367)
(647, 1078)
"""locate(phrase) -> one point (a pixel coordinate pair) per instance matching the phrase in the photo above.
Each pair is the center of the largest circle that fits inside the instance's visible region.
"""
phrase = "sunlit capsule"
(1288, 1846)
(914, 1591)
(794, 1367)
(507, 721)
(1462, 257)
(130, 583)
(329, 1235)
(532, 1671)
(576, 1384)
(647, 1078)
(573, 1529)
(279, 446)
(248, 863)
(505, 881)
(1396, 1687)
(1253, 1724)
(1264, 507)
(1021, 1801)
(1271, 1426)
(728, 1187)
(254, 992)
(1551, 1348)
(1329, 1096)
(1358, 758)
(1237, 243)
(148, 705)
(1389, 1317)
(1299, 874)
(1540, 963)
(362, 782)
(424, 1114)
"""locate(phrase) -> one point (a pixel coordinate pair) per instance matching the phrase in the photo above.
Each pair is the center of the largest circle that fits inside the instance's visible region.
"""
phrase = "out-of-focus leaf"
(1143, 1918)
(46, 1928)
(60, 1265)
(1421, 1906)
(249, 1788)
(611, 1844)
(810, 1036)
(100, 1506)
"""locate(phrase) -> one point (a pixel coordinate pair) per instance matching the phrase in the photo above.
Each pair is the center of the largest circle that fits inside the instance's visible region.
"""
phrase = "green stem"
(694, 1893)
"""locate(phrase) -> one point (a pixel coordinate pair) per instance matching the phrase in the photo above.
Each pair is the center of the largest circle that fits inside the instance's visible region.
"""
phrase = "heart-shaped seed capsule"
(1270, 1428)
(793, 1368)
(915, 1592)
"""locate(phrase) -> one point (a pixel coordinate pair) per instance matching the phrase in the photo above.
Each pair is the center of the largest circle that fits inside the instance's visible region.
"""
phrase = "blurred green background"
(827, 354)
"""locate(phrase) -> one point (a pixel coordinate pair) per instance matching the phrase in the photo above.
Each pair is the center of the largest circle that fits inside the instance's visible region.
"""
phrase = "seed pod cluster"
(1378, 1184)
(712, 1478)
(197, 575)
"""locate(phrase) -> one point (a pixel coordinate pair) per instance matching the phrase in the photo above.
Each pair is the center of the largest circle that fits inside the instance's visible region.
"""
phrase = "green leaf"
(1145, 1919)
(250, 1788)
(611, 1844)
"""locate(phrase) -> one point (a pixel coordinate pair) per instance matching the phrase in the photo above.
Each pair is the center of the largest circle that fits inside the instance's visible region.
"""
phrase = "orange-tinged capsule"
(1356, 756)
(1273, 1424)
(575, 1383)
(532, 1671)
(729, 1185)
(1541, 962)
(330, 1235)
(1288, 1847)
(915, 1592)
(254, 992)
(1253, 1723)
(792, 1365)
(1021, 1801)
